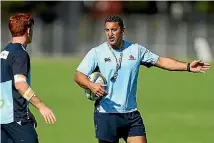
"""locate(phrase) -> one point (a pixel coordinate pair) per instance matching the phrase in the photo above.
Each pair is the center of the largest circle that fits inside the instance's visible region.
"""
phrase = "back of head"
(117, 19)
(19, 23)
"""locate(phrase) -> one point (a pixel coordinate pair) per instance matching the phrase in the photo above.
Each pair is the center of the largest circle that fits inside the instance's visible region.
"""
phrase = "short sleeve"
(89, 63)
(21, 63)
(147, 57)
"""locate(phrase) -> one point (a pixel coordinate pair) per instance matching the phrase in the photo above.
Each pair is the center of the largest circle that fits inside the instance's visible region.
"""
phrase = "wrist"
(39, 105)
(89, 85)
(188, 67)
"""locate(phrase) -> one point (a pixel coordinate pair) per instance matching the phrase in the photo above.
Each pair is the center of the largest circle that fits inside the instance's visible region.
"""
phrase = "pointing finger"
(207, 64)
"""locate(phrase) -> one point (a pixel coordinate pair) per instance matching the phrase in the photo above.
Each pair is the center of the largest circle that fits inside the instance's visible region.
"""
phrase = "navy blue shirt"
(14, 60)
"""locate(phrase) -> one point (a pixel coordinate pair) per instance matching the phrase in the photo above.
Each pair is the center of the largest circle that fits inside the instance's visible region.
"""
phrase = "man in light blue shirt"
(116, 115)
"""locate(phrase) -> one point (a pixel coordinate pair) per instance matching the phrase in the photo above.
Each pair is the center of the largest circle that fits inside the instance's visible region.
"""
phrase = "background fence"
(74, 30)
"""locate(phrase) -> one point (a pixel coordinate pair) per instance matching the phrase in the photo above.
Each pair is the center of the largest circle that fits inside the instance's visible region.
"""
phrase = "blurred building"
(179, 29)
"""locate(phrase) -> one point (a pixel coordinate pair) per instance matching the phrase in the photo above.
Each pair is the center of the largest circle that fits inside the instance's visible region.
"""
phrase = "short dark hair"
(19, 23)
(115, 18)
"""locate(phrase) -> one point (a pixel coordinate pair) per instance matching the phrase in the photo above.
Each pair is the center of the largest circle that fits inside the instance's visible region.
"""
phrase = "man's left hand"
(198, 66)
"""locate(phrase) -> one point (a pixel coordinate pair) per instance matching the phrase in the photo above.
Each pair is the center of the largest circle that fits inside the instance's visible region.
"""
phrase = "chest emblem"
(131, 57)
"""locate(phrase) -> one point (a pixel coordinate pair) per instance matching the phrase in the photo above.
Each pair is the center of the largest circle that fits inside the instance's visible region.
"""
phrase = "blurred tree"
(102, 9)
(43, 9)
(147, 7)
(205, 6)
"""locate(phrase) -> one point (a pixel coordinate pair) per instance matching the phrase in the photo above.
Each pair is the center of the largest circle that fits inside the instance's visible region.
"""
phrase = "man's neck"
(119, 46)
(20, 40)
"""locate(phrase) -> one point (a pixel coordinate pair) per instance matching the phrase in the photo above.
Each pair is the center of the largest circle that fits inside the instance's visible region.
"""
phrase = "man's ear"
(28, 31)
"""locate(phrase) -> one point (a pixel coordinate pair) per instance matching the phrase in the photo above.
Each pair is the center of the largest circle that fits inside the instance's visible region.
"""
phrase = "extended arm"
(171, 64)
(27, 92)
(150, 59)
(21, 68)
(175, 65)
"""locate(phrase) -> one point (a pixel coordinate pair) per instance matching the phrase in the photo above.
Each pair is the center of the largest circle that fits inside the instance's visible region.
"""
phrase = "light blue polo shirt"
(121, 96)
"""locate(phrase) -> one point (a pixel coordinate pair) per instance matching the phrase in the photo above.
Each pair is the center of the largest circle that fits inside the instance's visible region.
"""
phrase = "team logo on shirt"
(4, 55)
(107, 59)
(131, 57)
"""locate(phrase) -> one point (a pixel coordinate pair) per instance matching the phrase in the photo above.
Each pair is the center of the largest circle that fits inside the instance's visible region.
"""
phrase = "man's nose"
(110, 33)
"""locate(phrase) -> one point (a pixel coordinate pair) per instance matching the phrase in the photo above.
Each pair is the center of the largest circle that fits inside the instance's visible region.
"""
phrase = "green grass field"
(177, 107)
